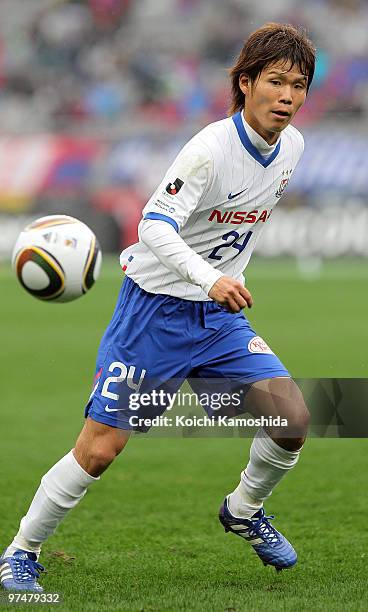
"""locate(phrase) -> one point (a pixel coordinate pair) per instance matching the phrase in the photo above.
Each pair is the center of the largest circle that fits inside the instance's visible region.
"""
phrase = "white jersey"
(218, 195)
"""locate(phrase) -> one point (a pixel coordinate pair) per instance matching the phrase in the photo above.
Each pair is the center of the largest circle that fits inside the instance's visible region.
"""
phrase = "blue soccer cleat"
(20, 572)
(270, 545)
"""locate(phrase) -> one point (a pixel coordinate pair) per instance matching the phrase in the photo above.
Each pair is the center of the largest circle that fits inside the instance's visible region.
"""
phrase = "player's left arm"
(177, 197)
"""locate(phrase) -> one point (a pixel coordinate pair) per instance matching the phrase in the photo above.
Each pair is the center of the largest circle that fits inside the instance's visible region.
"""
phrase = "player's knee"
(288, 403)
(100, 456)
(301, 412)
(98, 445)
(298, 416)
(292, 437)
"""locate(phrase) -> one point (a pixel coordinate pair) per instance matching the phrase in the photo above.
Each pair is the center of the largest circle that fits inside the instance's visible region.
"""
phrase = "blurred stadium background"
(96, 98)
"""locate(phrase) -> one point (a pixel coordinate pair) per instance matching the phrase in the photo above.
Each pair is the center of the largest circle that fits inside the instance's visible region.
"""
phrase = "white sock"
(64, 485)
(268, 463)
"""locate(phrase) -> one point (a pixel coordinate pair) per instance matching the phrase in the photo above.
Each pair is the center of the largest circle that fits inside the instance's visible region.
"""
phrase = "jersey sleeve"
(182, 187)
(176, 255)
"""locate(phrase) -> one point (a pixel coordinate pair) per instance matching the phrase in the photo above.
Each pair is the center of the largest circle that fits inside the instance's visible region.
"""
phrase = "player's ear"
(244, 83)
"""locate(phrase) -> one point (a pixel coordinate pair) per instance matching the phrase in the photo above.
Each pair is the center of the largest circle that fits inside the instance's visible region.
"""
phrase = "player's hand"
(231, 294)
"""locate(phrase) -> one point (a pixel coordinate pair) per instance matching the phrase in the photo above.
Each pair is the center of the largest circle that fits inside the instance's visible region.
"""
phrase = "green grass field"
(146, 537)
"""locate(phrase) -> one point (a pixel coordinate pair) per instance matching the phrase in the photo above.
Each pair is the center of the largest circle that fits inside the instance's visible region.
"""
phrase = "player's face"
(273, 99)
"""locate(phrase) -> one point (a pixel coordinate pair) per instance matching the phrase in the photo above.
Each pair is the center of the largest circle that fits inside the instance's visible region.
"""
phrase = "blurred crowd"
(97, 97)
(117, 67)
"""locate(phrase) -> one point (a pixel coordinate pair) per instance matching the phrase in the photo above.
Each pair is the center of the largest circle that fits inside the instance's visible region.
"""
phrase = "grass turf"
(147, 537)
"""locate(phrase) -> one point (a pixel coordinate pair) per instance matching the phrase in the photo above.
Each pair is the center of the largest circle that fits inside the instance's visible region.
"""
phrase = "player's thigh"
(234, 350)
(233, 356)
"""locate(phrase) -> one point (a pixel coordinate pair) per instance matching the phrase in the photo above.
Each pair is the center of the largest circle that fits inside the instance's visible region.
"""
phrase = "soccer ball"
(57, 258)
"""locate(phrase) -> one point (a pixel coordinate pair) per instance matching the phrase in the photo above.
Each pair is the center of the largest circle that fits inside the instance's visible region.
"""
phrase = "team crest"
(284, 183)
(258, 345)
(282, 187)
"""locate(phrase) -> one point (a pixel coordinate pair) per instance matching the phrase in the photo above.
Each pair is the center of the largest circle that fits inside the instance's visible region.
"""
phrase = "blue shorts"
(157, 341)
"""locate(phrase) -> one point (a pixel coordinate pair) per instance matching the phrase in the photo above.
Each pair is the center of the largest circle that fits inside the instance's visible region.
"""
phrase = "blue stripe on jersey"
(249, 146)
(159, 217)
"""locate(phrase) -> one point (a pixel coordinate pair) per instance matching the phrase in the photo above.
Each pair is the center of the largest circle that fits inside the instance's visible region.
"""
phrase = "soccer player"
(180, 310)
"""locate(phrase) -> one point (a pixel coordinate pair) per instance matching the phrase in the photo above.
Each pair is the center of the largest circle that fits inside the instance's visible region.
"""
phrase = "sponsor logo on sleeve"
(258, 345)
(164, 206)
(174, 188)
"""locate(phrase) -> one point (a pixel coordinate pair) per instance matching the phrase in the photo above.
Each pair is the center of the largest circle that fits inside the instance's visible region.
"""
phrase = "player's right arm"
(166, 213)
(231, 294)
(178, 257)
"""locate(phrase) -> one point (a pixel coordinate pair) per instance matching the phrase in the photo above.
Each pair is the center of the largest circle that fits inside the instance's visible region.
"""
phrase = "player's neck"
(257, 139)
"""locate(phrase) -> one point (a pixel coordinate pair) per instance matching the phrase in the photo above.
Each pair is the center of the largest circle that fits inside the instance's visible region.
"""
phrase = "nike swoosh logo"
(107, 409)
(231, 196)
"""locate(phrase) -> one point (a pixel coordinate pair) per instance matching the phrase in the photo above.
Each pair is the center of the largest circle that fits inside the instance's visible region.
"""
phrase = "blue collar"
(249, 146)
